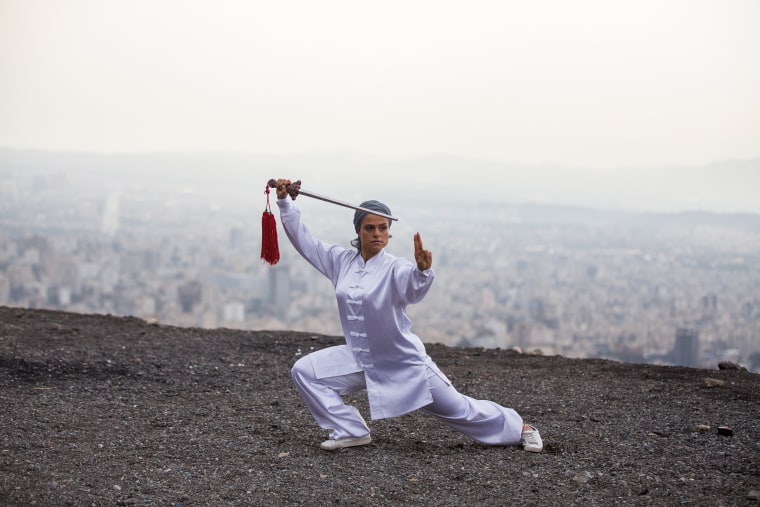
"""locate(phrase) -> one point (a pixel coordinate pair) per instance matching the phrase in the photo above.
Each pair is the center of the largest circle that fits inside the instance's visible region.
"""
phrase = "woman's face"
(373, 235)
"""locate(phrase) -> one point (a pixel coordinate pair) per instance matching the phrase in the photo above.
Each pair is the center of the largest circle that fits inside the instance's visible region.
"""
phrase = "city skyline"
(565, 280)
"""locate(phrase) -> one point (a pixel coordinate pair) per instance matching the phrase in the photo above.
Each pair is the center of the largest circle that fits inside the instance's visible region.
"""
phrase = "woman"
(381, 354)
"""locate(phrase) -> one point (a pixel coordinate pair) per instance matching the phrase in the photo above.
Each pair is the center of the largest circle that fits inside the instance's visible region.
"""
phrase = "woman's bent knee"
(302, 369)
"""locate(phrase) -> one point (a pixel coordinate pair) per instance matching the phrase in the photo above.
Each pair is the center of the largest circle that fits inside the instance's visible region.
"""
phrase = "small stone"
(116, 487)
(728, 365)
(582, 477)
(283, 455)
(754, 495)
(725, 431)
(713, 382)
(701, 428)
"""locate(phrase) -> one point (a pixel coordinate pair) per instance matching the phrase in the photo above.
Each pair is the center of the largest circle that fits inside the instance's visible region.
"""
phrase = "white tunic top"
(372, 298)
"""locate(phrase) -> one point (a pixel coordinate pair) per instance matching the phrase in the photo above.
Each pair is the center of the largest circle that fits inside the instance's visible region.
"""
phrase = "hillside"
(101, 410)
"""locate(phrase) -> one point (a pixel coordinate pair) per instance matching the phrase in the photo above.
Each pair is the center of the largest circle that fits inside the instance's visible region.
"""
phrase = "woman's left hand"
(423, 257)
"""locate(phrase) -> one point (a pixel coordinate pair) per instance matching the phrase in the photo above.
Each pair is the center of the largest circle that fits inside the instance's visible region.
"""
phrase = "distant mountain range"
(731, 186)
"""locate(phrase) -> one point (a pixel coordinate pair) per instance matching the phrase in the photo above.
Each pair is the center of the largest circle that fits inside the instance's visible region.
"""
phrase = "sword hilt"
(293, 189)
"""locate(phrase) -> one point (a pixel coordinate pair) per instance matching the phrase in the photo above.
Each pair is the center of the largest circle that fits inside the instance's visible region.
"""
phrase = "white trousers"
(482, 420)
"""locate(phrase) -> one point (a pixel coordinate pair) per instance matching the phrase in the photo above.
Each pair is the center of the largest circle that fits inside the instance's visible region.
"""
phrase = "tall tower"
(237, 238)
(686, 352)
(279, 288)
(189, 295)
(110, 219)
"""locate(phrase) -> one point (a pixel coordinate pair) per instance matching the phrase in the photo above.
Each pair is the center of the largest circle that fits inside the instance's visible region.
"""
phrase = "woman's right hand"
(282, 188)
(423, 257)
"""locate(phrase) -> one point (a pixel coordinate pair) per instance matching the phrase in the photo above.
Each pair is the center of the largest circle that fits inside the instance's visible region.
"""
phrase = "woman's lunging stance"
(382, 355)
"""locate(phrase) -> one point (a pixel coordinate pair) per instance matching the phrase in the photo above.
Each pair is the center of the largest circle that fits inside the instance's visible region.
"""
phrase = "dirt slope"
(100, 410)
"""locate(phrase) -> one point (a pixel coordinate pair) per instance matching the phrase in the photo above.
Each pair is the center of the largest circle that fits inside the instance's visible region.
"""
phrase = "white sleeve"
(323, 256)
(411, 283)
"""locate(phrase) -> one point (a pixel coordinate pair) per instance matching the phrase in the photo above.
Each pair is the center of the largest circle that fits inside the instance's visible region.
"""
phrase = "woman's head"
(373, 230)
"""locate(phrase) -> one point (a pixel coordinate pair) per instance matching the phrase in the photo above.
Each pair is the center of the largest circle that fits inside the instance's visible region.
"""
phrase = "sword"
(294, 189)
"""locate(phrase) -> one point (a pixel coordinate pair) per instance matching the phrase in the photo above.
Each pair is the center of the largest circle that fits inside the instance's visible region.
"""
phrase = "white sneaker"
(531, 440)
(332, 445)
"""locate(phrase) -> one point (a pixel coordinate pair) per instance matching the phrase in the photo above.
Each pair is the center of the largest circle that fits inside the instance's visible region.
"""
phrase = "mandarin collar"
(373, 260)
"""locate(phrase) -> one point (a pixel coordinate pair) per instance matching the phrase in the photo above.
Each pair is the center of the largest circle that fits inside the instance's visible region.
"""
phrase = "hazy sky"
(597, 83)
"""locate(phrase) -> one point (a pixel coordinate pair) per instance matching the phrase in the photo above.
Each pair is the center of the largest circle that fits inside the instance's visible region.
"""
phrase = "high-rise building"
(189, 295)
(110, 219)
(237, 238)
(686, 352)
(279, 288)
(5, 290)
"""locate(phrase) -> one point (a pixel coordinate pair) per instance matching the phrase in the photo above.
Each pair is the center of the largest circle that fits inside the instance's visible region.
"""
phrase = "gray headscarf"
(374, 206)
(359, 217)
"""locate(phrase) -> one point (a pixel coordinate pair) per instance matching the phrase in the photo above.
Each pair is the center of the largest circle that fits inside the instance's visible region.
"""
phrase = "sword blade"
(344, 204)
(271, 183)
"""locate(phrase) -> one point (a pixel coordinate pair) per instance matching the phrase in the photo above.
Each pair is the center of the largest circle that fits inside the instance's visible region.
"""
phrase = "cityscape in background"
(666, 288)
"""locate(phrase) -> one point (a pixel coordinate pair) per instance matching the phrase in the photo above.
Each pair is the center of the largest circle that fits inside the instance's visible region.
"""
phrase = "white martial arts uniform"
(381, 354)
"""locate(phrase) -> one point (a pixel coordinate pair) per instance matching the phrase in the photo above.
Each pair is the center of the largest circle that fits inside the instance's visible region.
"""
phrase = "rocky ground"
(100, 410)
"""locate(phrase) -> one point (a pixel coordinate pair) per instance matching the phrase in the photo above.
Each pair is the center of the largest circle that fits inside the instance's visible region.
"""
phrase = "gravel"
(101, 410)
